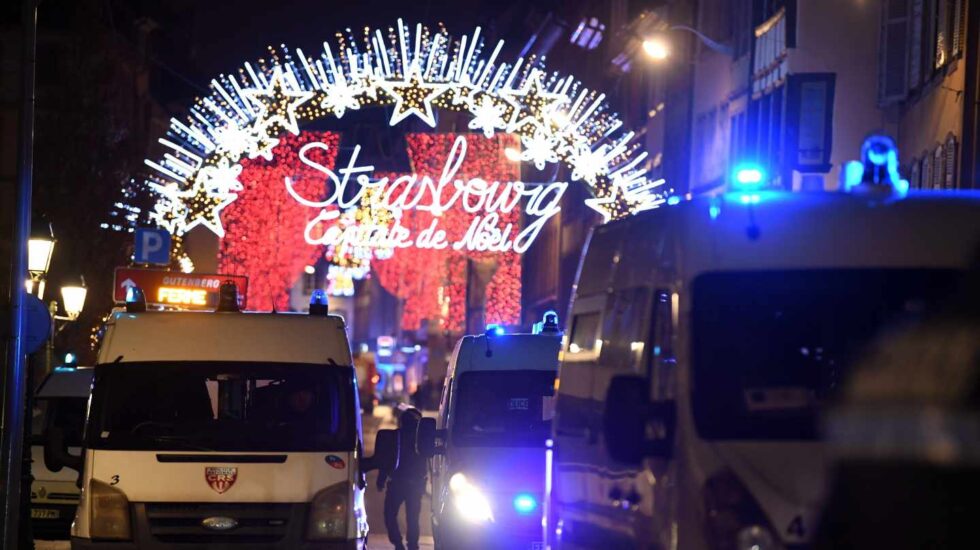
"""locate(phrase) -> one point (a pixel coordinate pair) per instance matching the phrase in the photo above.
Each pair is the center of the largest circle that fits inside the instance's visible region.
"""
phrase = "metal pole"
(14, 403)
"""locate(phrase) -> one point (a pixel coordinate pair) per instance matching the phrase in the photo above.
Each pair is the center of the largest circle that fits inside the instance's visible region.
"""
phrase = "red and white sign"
(220, 478)
(176, 289)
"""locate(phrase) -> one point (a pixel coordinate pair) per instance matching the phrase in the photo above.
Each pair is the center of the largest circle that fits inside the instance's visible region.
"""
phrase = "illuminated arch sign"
(415, 71)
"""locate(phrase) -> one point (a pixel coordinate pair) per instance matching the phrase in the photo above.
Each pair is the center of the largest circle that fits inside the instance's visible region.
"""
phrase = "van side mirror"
(634, 427)
(429, 441)
(386, 452)
(56, 455)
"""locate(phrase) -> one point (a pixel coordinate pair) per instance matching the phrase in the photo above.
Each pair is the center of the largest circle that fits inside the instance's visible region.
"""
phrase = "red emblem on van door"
(220, 478)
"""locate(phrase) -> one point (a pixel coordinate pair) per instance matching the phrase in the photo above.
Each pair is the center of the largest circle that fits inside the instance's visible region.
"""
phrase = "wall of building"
(841, 37)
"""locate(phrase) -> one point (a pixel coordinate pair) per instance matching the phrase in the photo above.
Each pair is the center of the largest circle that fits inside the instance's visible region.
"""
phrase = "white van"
(60, 403)
(227, 429)
(494, 423)
(703, 340)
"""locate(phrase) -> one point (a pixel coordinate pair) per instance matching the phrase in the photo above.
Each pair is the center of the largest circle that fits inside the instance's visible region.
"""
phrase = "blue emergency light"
(319, 302)
(749, 176)
(878, 166)
(525, 503)
(493, 329)
(135, 300)
(548, 323)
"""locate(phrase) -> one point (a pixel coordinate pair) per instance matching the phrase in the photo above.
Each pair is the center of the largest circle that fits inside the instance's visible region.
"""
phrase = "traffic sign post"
(175, 289)
(152, 246)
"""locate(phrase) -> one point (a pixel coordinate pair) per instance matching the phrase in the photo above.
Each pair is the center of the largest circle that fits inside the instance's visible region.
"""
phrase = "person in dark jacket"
(406, 484)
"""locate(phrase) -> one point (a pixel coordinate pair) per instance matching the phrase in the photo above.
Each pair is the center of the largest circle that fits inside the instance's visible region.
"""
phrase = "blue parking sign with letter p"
(152, 246)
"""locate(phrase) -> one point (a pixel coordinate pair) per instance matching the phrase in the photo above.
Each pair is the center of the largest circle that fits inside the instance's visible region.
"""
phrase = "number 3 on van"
(220, 478)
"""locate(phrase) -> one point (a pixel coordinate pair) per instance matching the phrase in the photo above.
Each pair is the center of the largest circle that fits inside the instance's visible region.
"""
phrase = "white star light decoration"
(414, 71)
(278, 103)
(413, 96)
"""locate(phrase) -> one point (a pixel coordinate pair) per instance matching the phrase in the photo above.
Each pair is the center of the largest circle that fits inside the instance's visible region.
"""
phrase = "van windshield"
(769, 348)
(220, 406)
(511, 408)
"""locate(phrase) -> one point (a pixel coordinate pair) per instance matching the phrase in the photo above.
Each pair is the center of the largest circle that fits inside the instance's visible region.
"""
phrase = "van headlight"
(469, 500)
(109, 512)
(328, 513)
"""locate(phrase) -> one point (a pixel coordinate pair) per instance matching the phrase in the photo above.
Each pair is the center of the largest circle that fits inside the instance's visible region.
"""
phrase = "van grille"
(177, 523)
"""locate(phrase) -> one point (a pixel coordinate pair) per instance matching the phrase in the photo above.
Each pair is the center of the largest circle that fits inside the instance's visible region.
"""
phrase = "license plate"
(44, 513)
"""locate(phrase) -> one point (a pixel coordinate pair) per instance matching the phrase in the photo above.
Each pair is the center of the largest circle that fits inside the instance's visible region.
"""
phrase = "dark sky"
(202, 39)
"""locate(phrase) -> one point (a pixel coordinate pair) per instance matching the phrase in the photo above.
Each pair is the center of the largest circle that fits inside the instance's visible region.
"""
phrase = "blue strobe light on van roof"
(748, 176)
(319, 302)
(135, 300)
(525, 503)
(493, 329)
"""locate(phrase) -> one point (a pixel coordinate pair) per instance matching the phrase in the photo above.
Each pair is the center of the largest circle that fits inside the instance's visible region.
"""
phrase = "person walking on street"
(406, 484)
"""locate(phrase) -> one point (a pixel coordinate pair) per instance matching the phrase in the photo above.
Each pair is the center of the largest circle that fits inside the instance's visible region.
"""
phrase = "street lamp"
(655, 46)
(73, 298)
(40, 247)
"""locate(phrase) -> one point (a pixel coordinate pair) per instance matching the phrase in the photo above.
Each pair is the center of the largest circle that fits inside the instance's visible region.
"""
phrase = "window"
(769, 348)
(588, 34)
(938, 167)
(914, 176)
(585, 331)
(894, 51)
(950, 182)
(624, 329)
(501, 408)
(662, 360)
(926, 171)
(222, 406)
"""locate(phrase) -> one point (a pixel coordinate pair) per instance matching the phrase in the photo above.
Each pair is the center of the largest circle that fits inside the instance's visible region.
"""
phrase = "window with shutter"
(951, 162)
(943, 34)
(938, 167)
(914, 180)
(926, 171)
(915, 44)
(959, 21)
(893, 60)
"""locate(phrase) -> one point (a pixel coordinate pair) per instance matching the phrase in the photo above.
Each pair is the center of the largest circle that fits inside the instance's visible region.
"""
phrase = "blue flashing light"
(319, 297)
(525, 503)
(853, 174)
(674, 199)
(750, 198)
(749, 176)
(714, 211)
(64, 369)
(879, 166)
(494, 329)
(70, 358)
(134, 294)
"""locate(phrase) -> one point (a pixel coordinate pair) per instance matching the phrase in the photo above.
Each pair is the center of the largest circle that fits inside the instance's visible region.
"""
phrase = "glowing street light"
(73, 298)
(656, 48)
(40, 247)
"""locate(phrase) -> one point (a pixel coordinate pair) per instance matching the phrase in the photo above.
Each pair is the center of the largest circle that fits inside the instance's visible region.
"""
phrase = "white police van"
(489, 444)
(60, 403)
(224, 429)
(706, 337)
